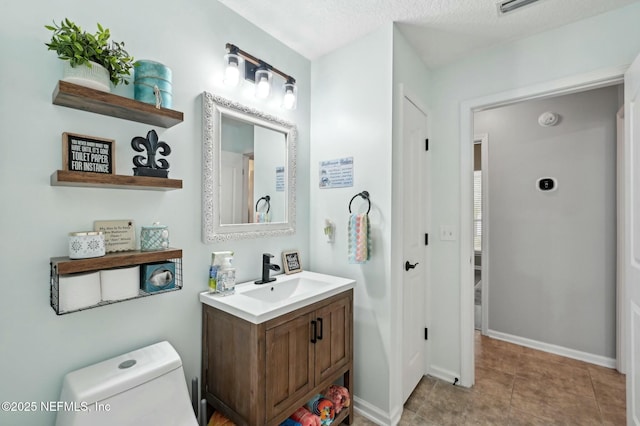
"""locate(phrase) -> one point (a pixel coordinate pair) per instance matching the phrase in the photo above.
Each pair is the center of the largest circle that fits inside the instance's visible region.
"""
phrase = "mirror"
(248, 172)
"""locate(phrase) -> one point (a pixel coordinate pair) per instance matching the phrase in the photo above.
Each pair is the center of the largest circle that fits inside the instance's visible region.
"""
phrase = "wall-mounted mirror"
(248, 172)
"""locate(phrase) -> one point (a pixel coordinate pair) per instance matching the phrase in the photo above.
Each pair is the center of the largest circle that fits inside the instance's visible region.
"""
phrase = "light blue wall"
(37, 347)
(236, 136)
(351, 117)
(355, 113)
(608, 40)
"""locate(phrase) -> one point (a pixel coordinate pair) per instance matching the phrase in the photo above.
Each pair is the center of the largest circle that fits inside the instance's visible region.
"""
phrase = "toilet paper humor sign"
(82, 153)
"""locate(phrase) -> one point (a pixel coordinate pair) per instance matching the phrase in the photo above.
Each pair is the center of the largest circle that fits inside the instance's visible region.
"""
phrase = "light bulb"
(290, 98)
(263, 83)
(232, 75)
(235, 65)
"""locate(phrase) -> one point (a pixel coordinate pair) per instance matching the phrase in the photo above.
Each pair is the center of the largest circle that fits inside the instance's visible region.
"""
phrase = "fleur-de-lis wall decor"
(149, 166)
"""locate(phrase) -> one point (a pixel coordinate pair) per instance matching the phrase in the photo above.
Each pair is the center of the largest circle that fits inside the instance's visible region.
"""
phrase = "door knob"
(408, 265)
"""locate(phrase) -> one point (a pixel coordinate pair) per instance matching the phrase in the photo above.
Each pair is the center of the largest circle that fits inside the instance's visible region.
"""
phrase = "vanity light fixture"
(240, 63)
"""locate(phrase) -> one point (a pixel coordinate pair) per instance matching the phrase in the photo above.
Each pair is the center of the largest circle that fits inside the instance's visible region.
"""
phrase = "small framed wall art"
(291, 262)
(81, 153)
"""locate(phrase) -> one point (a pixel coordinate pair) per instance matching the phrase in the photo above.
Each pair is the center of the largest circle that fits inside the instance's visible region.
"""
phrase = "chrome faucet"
(266, 266)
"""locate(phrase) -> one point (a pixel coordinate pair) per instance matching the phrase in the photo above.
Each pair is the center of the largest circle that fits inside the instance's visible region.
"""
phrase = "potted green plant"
(86, 54)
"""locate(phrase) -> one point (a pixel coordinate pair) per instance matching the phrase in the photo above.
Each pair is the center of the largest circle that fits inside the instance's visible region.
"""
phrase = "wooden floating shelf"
(64, 265)
(103, 180)
(87, 99)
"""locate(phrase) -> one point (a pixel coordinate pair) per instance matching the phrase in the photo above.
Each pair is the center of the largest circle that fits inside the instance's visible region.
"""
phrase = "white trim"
(397, 297)
(374, 413)
(631, 265)
(443, 374)
(632, 376)
(396, 415)
(621, 297)
(578, 83)
(554, 349)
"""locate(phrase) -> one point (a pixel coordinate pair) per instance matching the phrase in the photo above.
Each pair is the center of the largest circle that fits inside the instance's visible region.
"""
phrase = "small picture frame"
(291, 262)
(81, 153)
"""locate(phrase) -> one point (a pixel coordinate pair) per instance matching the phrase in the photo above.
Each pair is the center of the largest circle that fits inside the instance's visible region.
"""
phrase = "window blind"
(477, 210)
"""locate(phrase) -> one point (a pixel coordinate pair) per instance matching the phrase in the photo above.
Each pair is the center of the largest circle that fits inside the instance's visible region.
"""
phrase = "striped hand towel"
(359, 238)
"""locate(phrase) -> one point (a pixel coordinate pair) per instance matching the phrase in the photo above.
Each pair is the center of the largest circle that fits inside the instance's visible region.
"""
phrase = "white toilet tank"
(143, 387)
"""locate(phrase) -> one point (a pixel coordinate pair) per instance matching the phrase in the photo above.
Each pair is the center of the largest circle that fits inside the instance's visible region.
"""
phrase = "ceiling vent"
(507, 6)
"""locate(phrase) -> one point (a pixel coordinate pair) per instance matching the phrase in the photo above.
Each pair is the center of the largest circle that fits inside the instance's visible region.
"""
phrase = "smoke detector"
(548, 119)
(507, 6)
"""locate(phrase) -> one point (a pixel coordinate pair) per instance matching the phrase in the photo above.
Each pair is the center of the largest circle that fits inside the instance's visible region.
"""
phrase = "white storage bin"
(77, 291)
(120, 283)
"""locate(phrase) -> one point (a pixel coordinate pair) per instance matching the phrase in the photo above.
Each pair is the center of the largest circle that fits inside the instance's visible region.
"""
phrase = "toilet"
(143, 387)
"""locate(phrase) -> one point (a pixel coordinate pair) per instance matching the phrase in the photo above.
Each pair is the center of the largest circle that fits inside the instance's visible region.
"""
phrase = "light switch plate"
(447, 233)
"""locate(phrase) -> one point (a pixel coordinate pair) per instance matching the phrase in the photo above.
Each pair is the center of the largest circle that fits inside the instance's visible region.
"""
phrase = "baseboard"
(554, 349)
(397, 415)
(374, 414)
(443, 374)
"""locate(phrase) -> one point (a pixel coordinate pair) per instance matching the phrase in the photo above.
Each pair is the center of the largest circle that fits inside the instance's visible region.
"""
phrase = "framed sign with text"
(81, 153)
(291, 262)
(119, 235)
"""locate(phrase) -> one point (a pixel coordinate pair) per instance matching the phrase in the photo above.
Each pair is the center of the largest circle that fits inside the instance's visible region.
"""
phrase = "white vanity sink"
(259, 303)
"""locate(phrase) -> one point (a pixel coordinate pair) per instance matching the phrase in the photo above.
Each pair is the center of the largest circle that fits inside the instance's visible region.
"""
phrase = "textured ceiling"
(440, 30)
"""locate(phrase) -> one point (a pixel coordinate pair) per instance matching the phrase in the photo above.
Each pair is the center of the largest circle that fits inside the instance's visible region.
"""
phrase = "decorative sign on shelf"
(149, 166)
(82, 153)
(119, 235)
(291, 262)
(336, 173)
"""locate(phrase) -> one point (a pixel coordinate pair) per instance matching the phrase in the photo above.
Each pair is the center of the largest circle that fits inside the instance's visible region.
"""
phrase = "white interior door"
(414, 259)
(231, 183)
(632, 237)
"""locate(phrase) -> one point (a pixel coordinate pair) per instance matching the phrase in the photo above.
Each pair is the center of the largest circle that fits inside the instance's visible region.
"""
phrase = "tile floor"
(519, 386)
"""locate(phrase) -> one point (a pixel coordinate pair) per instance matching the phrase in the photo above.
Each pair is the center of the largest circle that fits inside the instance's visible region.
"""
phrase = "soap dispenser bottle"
(226, 278)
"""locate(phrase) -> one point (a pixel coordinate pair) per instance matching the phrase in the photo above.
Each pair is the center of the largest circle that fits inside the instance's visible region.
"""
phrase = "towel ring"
(363, 194)
(267, 199)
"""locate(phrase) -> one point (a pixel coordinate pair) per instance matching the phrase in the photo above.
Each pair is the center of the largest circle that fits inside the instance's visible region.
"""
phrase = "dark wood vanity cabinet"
(259, 374)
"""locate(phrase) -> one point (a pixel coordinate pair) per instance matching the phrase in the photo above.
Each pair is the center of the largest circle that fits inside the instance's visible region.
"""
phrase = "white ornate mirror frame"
(213, 108)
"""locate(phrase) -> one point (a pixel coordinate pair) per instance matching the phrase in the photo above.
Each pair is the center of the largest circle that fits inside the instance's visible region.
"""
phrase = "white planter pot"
(96, 77)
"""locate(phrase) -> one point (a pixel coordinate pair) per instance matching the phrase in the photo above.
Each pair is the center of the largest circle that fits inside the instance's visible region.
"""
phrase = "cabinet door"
(289, 364)
(333, 347)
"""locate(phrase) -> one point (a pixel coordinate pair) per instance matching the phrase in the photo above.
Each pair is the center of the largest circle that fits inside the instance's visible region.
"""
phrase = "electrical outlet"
(447, 233)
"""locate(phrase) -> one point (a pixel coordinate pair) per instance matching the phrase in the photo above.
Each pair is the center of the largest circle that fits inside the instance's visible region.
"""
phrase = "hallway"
(520, 386)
